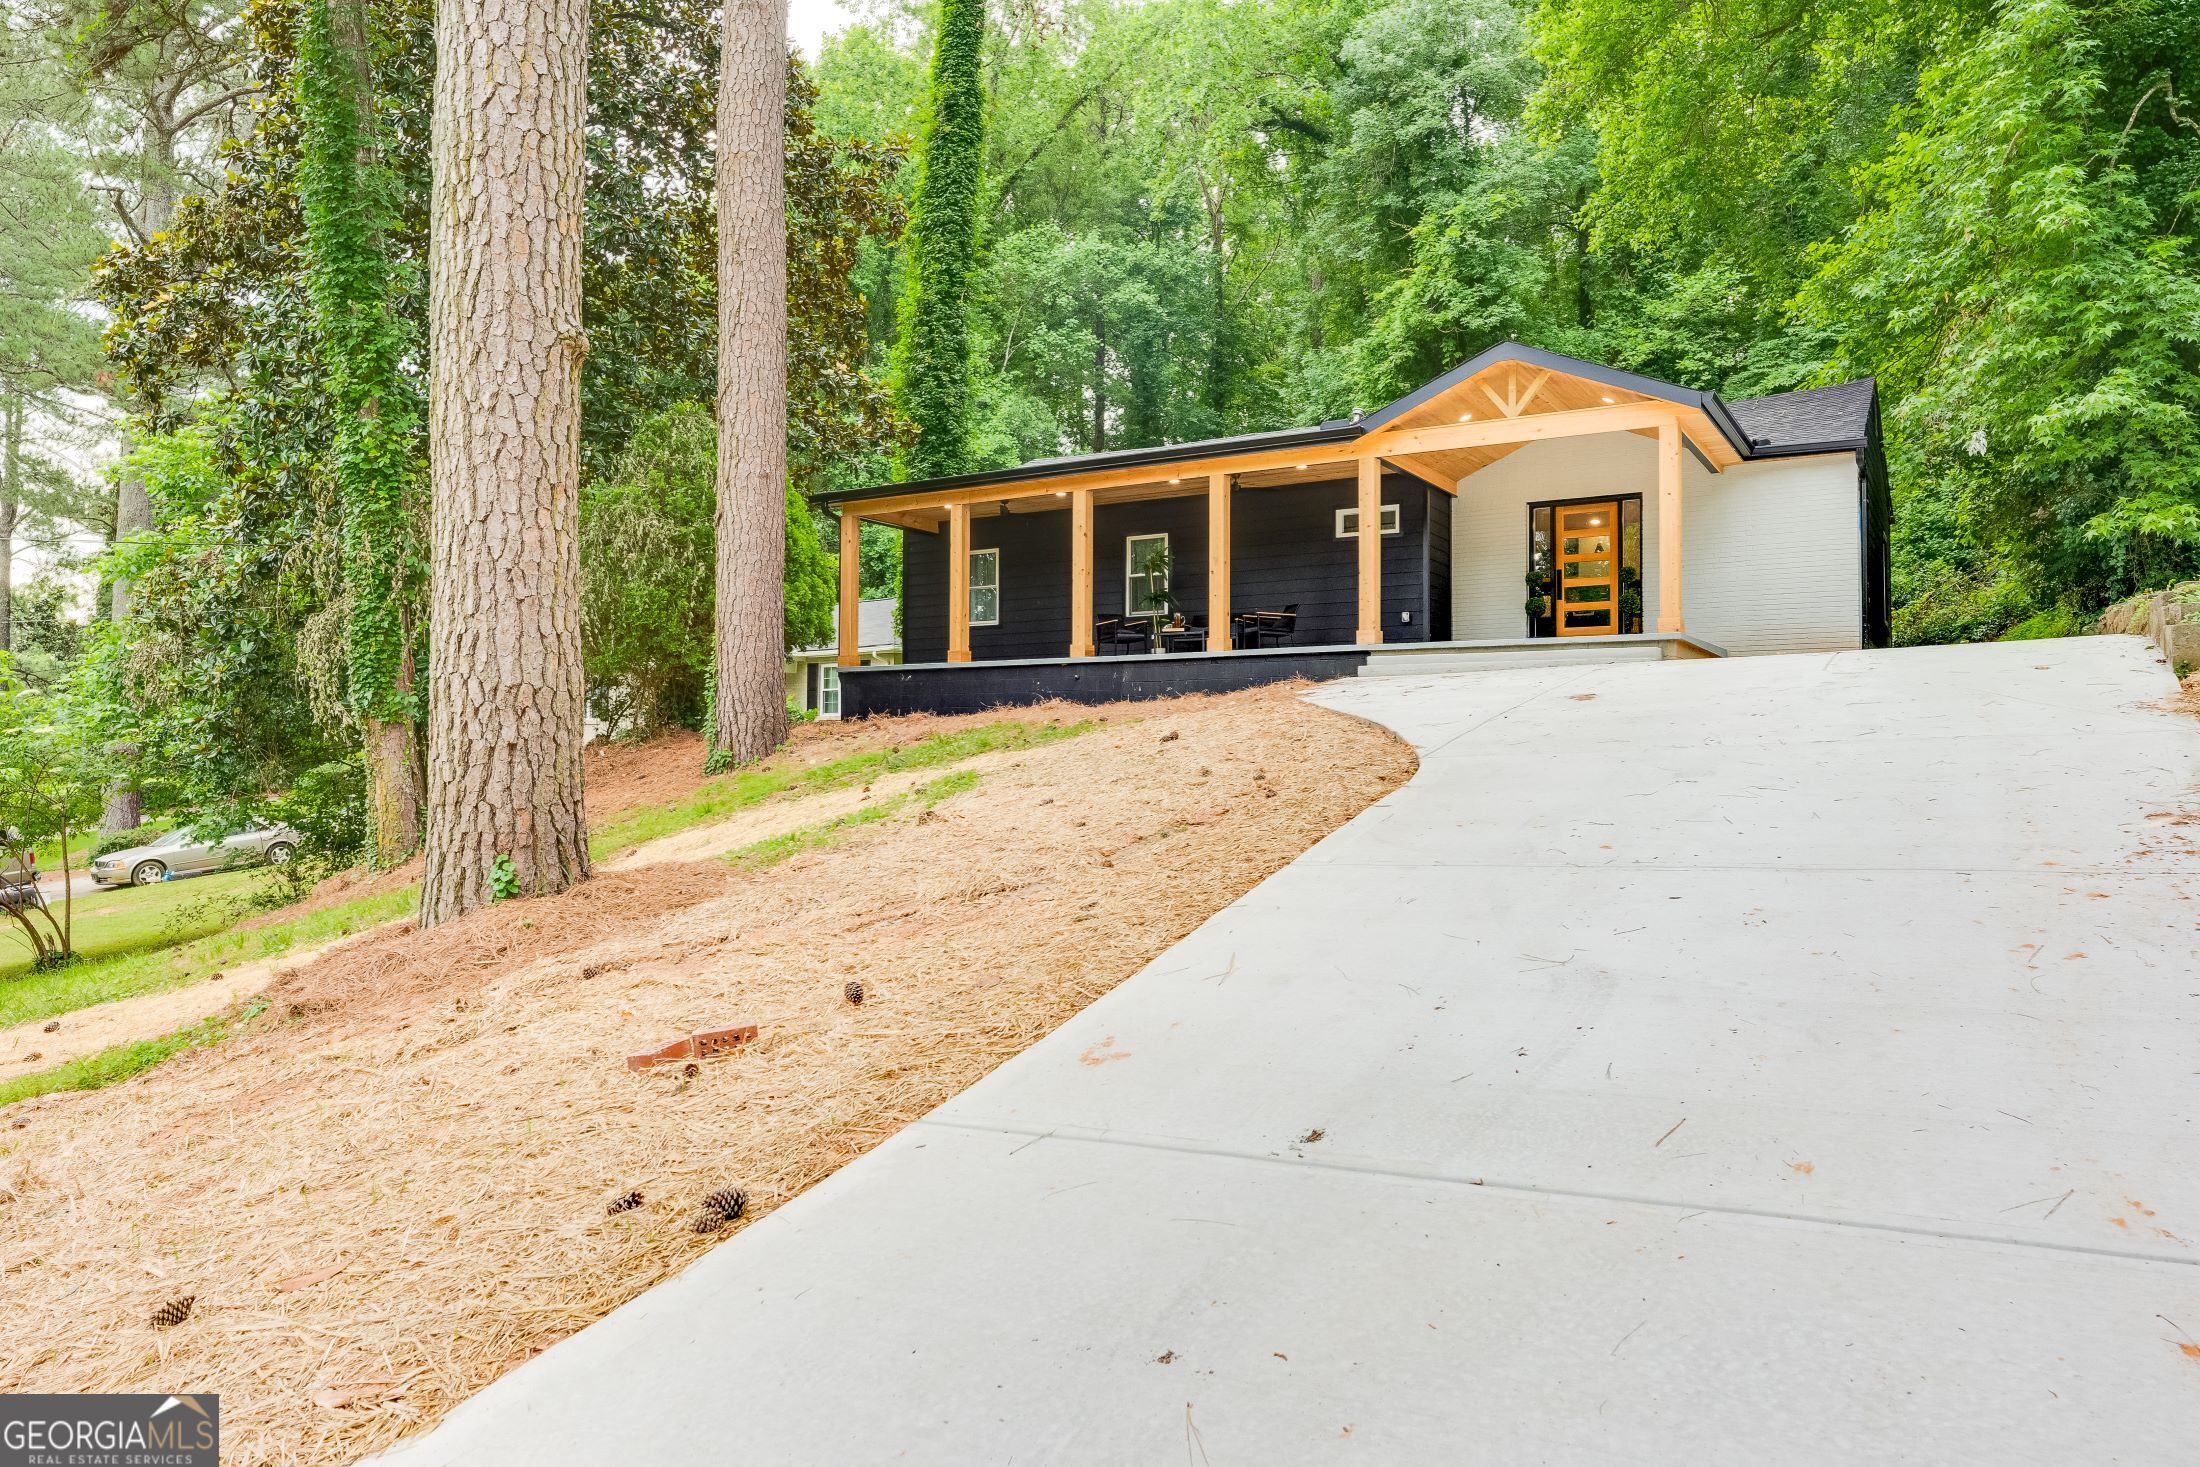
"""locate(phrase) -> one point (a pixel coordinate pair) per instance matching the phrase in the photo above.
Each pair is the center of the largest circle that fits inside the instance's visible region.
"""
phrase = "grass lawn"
(154, 965)
(124, 1060)
(132, 918)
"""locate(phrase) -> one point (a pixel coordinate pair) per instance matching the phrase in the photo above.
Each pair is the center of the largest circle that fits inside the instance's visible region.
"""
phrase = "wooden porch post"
(1670, 618)
(958, 583)
(1371, 552)
(1218, 562)
(1080, 573)
(851, 586)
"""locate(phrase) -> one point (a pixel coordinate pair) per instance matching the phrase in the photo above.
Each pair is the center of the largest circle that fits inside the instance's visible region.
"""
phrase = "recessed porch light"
(1607, 397)
(1464, 417)
(1176, 481)
(1302, 466)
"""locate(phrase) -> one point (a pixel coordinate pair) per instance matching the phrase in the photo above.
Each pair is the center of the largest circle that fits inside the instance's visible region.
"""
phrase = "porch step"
(1447, 657)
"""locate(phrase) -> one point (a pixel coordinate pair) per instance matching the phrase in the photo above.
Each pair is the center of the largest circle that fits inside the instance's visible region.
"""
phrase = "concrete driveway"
(1775, 1060)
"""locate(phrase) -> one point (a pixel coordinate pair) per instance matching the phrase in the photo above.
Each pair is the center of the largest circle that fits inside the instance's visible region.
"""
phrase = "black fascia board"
(1130, 458)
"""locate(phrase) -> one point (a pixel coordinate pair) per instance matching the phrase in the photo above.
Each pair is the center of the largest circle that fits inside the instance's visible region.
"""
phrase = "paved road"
(1777, 1060)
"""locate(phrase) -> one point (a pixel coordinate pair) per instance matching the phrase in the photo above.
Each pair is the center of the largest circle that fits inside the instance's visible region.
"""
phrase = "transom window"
(1348, 522)
(985, 588)
(1146, 575)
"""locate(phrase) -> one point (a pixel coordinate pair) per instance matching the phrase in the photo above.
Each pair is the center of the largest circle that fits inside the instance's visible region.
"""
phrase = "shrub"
(327, 806)
(648, 564)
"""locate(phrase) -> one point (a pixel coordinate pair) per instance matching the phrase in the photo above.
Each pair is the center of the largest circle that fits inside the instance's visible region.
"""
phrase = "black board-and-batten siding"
(1283, 550)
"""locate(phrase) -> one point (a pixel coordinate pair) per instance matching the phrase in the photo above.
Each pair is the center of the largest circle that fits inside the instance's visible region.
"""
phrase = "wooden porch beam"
(1535, 427)
(1081, 628)
(1393, 444)
(958, 583)
(1670, 617)
(1427, 476)
(1371, 552)
(1527, 394)
(1218, 562)
(851, 588)
(1161, 474)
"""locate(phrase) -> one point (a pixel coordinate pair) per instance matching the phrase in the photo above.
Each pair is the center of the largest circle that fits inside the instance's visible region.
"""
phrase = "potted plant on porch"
(1538, 605)
(1159, 601)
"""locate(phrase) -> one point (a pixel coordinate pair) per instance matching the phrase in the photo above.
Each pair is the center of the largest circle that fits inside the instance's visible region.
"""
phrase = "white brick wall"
(1773, 550)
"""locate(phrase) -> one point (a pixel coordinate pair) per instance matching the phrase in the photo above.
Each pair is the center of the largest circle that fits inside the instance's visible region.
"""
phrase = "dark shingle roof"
(1816, 419)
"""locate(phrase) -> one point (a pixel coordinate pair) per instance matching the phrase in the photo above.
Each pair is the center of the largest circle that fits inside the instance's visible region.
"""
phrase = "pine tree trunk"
(750, 718)
(504, 352)
(11, 501)
(396, 781)
(133, 506)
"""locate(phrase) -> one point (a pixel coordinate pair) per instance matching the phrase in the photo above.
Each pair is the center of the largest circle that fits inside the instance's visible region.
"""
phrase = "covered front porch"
(1194, 555)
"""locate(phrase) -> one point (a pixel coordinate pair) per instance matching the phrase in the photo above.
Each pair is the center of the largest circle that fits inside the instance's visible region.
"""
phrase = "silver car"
(178, 854)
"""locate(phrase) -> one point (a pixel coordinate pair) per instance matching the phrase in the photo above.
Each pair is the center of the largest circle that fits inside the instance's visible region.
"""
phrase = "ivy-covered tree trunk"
(749, 716)
(932, 376)
(504, 373)
(350, 206)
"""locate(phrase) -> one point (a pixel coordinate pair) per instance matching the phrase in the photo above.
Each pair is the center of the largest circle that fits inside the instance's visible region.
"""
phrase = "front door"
(1588, 569)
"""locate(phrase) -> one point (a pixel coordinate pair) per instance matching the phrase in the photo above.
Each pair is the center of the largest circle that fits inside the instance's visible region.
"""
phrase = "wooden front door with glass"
(1588, 569)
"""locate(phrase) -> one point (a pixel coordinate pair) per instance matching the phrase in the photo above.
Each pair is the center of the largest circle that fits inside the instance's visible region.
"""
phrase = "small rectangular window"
(1146, 576)
(1348, 522)
(985, 588)
(828, 690)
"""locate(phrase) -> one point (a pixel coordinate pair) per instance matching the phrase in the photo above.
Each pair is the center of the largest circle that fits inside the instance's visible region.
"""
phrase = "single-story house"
(1519, 497)
(813, 673)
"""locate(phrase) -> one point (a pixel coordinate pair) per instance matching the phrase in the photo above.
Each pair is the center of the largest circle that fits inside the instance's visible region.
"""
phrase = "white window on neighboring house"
(985, 588)
(828, 690)
(1145, 575)
(1348, 522)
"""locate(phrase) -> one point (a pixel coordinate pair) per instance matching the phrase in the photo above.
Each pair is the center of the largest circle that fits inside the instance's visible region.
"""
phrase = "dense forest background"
(1202, 217)
(1192, 217)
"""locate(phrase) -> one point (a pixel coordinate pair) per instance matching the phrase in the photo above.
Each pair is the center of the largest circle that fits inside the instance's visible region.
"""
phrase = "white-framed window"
(1348, 521)
(1145, 575)
(828, 690)
(985, 588)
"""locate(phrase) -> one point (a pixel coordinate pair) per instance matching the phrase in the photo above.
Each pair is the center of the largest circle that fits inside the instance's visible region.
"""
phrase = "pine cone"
(625, 1203)
(174, 1312)
(707, 1221)
(728, 1202)
(854, 990)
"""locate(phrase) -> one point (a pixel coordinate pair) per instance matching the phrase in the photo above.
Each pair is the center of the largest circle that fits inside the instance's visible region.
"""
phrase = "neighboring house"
(1524, 495)
(813, 673)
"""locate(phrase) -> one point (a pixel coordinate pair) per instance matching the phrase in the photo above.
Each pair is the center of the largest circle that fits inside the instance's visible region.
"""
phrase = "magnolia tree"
(53, 784)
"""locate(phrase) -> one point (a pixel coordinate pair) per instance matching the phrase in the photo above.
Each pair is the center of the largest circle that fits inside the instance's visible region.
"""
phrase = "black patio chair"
(1125, 635)
(1269, 628)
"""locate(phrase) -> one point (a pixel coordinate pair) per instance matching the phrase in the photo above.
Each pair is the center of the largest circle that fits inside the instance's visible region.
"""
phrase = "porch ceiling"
(1326, 466)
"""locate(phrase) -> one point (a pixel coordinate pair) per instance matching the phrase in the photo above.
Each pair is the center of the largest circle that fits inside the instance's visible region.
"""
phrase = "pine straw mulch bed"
(392, 1187)
(669, 768)
(664, 770)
